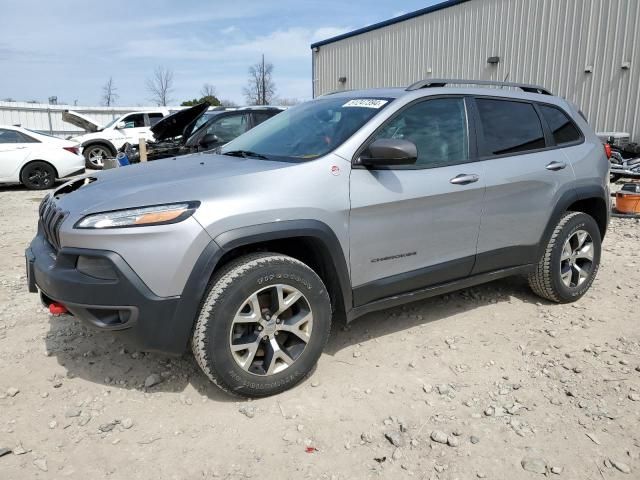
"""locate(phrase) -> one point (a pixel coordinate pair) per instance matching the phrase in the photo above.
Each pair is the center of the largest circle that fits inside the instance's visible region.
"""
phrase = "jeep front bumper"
(118, 301)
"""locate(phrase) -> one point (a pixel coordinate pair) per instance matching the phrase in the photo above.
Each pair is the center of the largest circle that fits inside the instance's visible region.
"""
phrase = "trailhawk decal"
(366, 103)
(393, 257)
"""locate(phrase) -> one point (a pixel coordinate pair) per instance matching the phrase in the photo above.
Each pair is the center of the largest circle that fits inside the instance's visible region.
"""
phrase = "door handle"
(464, 179)
(555, 166)
(20, 148)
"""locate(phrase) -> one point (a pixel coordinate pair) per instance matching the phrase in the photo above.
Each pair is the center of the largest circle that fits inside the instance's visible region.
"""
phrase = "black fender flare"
(314, 229)
(564, 202)
(196, 286)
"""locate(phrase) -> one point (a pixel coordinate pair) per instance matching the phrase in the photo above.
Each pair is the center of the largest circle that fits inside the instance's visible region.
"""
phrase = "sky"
(69, 49)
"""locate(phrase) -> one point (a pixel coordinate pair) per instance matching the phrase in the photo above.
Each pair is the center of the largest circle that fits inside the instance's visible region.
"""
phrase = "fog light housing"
(96, 267)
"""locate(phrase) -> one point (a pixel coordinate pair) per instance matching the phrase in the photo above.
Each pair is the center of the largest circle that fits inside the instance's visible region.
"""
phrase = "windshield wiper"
(245, 154)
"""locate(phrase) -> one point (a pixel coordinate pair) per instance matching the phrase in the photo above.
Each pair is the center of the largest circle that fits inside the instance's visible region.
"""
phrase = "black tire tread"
(31, 164)
(540, 280)
(219, 284)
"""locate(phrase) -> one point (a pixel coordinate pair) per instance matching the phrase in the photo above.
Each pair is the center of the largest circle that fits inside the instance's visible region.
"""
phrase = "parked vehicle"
(104, 141)
(347, 204)
(35, 159)
(199, 129)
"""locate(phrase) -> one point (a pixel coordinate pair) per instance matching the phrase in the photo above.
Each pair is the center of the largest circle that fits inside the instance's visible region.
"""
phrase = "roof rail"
(441, 82)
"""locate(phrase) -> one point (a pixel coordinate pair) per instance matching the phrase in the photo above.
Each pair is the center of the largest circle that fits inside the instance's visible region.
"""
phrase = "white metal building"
(585, 50)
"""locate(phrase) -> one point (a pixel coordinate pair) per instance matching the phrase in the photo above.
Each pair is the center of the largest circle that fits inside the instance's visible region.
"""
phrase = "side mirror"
(389, 152)
(209, 139)
(121, 125)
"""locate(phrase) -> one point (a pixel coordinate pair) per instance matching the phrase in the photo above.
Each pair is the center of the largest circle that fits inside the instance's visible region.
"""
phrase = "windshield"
(112, 122)
(308, 130)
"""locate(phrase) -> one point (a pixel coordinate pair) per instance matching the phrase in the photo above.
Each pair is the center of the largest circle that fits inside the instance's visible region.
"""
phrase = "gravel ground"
(489, 382)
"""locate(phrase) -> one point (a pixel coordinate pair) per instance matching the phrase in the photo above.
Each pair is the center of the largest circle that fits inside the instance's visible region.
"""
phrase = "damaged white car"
(104, 141)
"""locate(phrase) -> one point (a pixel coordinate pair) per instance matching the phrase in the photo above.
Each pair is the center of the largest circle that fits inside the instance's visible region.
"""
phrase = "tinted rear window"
(563, 129)
(509, 127)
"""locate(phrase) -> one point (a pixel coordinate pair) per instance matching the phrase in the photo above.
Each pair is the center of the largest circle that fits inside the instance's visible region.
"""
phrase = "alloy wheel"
(97, 156)
(576, 260)
(271, 330)
(39, 177)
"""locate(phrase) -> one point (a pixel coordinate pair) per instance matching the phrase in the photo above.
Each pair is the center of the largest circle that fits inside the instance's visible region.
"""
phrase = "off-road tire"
(545, 280)
(38, 175)
(226, 293)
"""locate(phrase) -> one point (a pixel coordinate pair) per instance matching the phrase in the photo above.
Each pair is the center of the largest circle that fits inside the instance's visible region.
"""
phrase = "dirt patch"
(489, 382)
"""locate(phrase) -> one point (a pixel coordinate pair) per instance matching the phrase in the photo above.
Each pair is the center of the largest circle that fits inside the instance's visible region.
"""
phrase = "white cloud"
(289, 44)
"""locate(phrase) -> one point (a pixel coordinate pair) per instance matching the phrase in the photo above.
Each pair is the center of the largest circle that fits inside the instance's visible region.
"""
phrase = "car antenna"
(505, 78)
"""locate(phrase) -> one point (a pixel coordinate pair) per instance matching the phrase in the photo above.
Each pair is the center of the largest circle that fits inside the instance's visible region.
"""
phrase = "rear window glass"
(11, 136)
(509, 127)
(563, 129)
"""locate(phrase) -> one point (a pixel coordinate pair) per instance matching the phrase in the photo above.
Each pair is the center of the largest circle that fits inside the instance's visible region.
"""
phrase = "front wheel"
(38, 176)
(263, 325)
(570, 261)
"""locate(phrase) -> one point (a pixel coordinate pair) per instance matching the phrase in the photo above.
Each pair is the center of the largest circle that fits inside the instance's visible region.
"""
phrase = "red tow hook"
(57, 309)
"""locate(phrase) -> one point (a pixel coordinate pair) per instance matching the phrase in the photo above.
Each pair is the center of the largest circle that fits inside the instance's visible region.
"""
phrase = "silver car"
(347, 204)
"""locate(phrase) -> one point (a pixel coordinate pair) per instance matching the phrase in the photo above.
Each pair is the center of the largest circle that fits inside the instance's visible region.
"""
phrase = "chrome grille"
(51, 217)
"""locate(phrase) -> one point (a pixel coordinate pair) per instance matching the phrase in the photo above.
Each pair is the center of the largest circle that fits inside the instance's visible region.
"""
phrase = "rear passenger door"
(526, 173)
(417, 225)
(14, 149)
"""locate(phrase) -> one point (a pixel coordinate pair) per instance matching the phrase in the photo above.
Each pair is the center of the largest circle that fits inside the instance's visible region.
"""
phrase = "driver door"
(415, 226)
(226, 128)
(135, 128)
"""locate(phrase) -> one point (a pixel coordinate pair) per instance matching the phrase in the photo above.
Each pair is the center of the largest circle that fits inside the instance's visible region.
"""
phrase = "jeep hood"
(175, 124)
(81, 121)
(191, 177)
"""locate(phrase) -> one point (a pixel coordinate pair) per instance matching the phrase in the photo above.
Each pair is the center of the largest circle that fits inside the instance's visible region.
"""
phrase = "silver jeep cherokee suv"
(353, 202)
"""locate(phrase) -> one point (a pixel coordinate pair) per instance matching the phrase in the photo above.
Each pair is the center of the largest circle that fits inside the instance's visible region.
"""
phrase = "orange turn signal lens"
(159, 217)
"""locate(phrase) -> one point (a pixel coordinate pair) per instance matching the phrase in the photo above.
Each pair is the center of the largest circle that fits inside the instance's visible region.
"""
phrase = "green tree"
(210, 99)
(208, 94)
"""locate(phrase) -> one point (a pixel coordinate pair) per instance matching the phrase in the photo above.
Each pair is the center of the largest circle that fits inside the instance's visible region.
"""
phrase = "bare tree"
(109, 95)
(160, 86)
(208, 90)
(286, 102)
(261, 88)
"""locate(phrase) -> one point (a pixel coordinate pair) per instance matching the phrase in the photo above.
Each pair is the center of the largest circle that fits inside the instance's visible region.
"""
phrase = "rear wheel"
(95, 154)
(263, 325)
(570, 262)
(38, 175)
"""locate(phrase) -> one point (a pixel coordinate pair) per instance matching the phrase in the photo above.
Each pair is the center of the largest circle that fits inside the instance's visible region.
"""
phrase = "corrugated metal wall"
(547, 42)
(48, 118)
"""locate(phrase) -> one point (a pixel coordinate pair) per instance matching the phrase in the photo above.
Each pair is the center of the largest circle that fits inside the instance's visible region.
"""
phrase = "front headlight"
(140, 217)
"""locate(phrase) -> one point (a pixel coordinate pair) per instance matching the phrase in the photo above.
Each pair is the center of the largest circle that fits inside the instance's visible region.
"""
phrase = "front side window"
(309, 130)
(509, 127)
(228, 127)
(134, 121)
(562, 128)
(438, 128)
